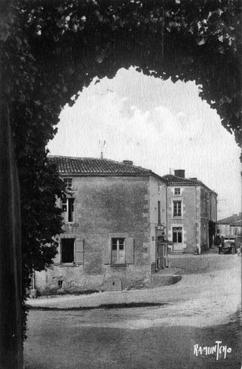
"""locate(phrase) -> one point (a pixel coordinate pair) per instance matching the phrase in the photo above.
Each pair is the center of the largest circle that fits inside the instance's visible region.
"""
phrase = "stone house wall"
(199, 208)
(106, 208)
(189, 219)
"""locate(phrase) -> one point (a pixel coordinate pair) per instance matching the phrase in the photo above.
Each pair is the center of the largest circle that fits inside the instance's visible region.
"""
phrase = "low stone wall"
(61, 280)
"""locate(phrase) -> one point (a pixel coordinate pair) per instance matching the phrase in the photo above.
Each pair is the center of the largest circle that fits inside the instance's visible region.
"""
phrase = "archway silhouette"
(73, 42)
(52, 49)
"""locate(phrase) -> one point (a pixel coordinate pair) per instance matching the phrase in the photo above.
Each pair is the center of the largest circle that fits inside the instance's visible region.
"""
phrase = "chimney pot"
(128, 162)
(179, 173)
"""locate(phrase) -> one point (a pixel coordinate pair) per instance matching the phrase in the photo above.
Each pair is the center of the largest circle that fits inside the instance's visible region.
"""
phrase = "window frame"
(177, 188)
(180, 231)
(177, 212)
(62, 240)
(67, 207)
(116, 261)
(68, 185)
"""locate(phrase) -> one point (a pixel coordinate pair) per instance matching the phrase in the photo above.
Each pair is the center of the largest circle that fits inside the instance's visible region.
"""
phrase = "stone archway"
(51, 50)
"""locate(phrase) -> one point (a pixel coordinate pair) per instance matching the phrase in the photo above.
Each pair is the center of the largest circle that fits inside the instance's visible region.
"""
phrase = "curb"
(102, 306)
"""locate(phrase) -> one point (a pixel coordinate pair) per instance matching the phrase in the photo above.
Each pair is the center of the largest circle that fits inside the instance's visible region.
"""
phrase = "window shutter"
(79, 251)
(57, 258)
(107, 253)
(129, 249)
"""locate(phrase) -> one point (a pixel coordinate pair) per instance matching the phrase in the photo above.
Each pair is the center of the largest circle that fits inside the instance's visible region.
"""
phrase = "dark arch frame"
(71, 42)
(50, 50)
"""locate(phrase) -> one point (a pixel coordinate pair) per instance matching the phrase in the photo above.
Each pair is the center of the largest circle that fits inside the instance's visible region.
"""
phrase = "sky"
(159, 125)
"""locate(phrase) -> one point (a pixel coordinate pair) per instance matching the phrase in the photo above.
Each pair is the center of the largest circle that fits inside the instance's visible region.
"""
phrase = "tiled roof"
(235, 220)
(237, 223)
(96, 167)
(172, 180)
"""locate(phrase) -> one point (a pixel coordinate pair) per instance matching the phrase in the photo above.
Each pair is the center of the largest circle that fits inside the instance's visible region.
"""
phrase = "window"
(64, 205)
(177, 191)
(158, 212)
(177, 208)
(68, 183)
(68, 208)
(67, 250)
(118, 251)
(177, 234)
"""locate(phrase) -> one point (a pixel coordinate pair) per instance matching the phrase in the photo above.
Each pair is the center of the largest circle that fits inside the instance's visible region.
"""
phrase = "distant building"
(191, 213)
(230, 226)
(115, 218)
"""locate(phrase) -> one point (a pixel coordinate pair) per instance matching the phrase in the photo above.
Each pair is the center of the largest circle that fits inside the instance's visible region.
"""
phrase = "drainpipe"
(166, 212)
(198, 245)
(167, 264)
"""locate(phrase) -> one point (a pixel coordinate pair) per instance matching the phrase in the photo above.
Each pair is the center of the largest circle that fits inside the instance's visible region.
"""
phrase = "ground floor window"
(118, 251)
(177, 234)
(67, 250)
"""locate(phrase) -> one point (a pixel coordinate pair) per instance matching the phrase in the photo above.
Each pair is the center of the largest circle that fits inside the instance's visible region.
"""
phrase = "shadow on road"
(69, 345)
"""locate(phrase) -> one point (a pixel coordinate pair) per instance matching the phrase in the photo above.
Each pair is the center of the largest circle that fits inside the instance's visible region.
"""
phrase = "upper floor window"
(177, 191)
(177, 208)
(68, 183)
(118, 251)
(68, 208)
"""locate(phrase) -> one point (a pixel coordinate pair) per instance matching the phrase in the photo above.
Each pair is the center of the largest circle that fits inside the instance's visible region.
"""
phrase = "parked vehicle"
(228, 246)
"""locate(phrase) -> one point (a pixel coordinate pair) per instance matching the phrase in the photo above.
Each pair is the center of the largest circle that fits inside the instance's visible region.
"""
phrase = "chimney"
(128, 162)
(179, 173)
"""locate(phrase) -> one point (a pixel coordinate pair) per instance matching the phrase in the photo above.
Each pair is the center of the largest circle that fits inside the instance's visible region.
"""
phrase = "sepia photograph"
(120, 185)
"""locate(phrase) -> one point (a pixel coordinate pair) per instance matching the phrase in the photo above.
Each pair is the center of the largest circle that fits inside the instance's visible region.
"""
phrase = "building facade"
(191, 213)
(230, 227)
(114, 217)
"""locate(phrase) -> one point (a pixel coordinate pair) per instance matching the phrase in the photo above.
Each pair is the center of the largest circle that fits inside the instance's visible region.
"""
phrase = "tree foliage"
(74, 41)
(50, 50)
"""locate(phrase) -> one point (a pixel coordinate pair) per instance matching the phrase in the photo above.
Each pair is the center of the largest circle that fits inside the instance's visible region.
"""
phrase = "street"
(198, 310)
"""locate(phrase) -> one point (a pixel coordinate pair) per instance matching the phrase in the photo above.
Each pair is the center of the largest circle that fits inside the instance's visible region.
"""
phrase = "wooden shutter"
(57, 258)
(107, 253)
(79, 251)
(129, 250)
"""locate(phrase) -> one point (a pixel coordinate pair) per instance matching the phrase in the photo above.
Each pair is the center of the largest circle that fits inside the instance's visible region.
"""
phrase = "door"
(211, 233)
(118, 251)
(177, 238)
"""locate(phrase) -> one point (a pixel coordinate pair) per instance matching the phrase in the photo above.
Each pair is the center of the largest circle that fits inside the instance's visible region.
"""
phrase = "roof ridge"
(231, 219)
(99, 159)
(188, 180)
(74, 165)
(81, 157)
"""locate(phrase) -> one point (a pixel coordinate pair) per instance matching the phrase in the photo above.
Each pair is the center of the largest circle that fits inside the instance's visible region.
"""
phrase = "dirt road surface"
(199, 310)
